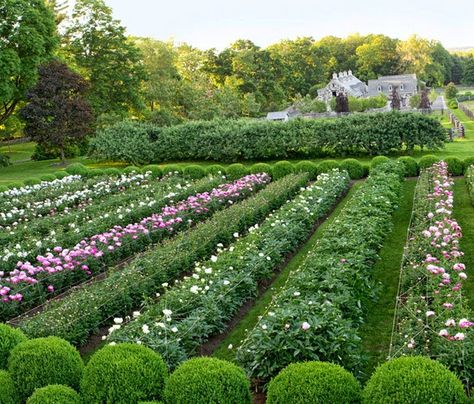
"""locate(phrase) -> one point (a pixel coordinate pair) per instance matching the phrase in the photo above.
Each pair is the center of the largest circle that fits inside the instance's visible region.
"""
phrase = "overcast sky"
(217, 23)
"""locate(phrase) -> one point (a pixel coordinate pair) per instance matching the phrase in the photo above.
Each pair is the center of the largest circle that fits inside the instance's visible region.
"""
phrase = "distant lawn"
(18, 152)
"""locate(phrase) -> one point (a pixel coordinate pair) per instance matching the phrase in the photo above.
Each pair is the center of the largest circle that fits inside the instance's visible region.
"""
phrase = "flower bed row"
(317, 314)
(199, 306)
(81, 312)
(61, 268)
(432, 317)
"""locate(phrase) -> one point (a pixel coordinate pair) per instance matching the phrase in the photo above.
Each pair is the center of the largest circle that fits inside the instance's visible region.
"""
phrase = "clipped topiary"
(261, 168)
(207, 381)
(8, 391)
(172, 169)
(113, 172)
(9, 338)
(48, 177)
(468, 161)
(455, 165)
(16, 184)
(379, 160)
(3, 188)
(124, 373)
(427, 161)
(307, 167)
(413, 379)
(55, 394)
(327, 165)
(96, 172)
(44, 361)
(411, 166)
(236, 171)
(194, 172)
(282, 168)
(132, 169)
(60, 174)
(353, 167)
(155, 170)
(216, 169)
(32, 181)
(77, 169)
(313, 382)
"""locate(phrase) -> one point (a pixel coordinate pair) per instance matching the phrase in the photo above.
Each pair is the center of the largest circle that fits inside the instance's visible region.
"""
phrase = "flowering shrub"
(55, 394)
(201, 304)
(431, 318)
(317, 314)
(85, 309)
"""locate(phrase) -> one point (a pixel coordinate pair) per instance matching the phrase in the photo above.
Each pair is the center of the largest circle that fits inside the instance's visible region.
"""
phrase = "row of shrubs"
(50, 370)
(236, 140)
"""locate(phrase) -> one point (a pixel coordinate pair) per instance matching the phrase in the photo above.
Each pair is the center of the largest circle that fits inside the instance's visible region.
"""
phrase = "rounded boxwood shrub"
(327, 165)
(353, 167)
(96, 172)
(113, 172)
(32, 181)
(194, 172)
(48, 177)
(16, 184)
(3, 188)
(8, 391)
(236, 171)
(155, 170)
(55, 394)
(132, 169)
(376, 161)
(172, 169)
(455, 165)
(207, 380)
(216, 169)
(468, 161)
(282, 168)
(427, 161)
(77, 169)
(307, 167)
(9, 338)
(413, 379)
(313, 382)
(39, 362)
(411, 166)
(261, 168)
(124, 373)
(60, 174)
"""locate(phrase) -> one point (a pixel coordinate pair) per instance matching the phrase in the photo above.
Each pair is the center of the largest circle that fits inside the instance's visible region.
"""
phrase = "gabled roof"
(277, 115)
(409, 82)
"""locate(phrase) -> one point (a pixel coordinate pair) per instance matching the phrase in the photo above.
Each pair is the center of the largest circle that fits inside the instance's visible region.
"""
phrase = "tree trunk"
(63, 158)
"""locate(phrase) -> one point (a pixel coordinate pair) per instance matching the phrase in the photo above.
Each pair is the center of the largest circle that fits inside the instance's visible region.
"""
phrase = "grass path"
(251, 318)
(377, 330)
(464, 214)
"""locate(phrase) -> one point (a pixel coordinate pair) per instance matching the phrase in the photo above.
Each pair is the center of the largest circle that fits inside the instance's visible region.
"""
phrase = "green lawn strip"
(251, 318)
(464, 214)
(377, 329)
(19, 151)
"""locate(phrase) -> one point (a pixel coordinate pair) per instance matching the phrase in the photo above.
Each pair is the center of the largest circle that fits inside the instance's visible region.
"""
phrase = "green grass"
(18, 152)
(251, 318)
(464, 214)
(377, 329)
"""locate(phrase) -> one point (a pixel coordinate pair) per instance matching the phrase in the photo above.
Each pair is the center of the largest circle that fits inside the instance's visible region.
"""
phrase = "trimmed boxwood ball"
(261, 168)
(427, 161)
(113, 172)
(155, 170)
(194, 172)
(236, 171)
(307, 167)
(413, 379)
(376, 161)
(455, 165)
(282, 168)
(95, 172)
(124, 373)
(55, 394)
(16, 184)
(9, 338)
(216, 169)
(3, 188)
(207, 380)
(44, 361)
(132, 169)
(32, 181)
(47, 177)
(77, 169)
(172, 169)
(353, 167)
(314, 382)
(411, 166)
(60, 174)
(467, 162)
(8, 391)
(327, 165)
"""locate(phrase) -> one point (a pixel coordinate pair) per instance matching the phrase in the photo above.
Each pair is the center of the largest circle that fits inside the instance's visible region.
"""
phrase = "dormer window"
(390, 87)
(401, 87)
(379, 89)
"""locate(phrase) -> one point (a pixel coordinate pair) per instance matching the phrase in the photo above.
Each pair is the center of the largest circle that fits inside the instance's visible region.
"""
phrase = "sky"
(217, 23)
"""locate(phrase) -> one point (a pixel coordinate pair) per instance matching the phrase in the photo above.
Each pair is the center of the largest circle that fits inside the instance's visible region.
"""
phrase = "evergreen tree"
(342, 103)
(395, 101)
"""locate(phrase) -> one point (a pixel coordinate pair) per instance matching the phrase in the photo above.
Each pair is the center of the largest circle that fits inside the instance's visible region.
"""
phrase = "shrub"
(261, 168)
(235, 171)
(216, 169)
(469, 161)
(55, 394)
(307, 167)
(455, 165)
(124, 373)
(411, 166)
(313, 382)
(8, 392)
(173, 169)
(155, 170)
(9, 338)
(48, 177)
(327, 165)
(207, 380)
(43, 361)
(194, 172)
(16, 184)
(113, 172)
(95, 172)
(414, 379)
(32, 181)
(131, 170)
(353, 167)
(427, 161)
(3, 188)
(282, 168)
(377, 161)
(77, 169)
(4, 160)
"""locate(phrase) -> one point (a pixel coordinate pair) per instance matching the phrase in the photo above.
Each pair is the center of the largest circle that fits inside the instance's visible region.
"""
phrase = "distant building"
(344, 82)
(405, 84)
(284, 116)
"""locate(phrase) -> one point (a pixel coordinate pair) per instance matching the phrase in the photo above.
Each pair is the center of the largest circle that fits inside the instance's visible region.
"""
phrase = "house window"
(401, 87)
(390, 88)
(379, 89)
